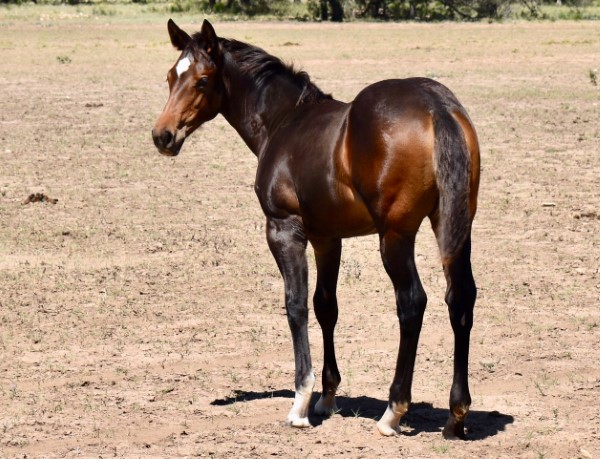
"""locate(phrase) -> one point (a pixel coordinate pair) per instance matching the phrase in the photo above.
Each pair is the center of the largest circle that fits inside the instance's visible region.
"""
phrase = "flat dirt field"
(141, 315)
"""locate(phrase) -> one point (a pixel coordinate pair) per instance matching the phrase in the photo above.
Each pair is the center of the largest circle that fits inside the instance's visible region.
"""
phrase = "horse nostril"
(162, 139)
(166, 138)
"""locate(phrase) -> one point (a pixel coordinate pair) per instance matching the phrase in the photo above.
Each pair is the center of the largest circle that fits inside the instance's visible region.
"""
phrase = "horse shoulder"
(274, 184)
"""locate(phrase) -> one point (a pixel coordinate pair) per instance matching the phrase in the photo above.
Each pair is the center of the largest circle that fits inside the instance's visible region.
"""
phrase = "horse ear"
(179, 38)
(210, 39)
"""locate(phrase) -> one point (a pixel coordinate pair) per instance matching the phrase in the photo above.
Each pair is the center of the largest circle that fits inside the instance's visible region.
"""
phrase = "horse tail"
(453, 171)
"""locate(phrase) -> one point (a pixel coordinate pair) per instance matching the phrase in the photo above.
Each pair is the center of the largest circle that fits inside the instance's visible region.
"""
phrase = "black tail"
(453, 172)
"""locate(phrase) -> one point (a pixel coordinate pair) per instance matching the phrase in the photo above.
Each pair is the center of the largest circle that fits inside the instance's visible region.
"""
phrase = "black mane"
(261, 67)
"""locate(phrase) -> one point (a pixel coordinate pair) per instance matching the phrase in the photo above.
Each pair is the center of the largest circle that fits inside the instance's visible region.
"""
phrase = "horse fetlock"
(460, 412)
(305, 388)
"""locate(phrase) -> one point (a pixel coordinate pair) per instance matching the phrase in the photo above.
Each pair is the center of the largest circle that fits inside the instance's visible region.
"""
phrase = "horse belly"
(341, 215)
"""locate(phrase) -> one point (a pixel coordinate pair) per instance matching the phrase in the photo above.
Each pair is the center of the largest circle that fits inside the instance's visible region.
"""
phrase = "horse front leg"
(327, 257)
(288, 245)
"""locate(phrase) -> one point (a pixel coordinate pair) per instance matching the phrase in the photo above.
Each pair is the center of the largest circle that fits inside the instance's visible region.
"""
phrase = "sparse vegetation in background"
(241, 8)
(350, 10)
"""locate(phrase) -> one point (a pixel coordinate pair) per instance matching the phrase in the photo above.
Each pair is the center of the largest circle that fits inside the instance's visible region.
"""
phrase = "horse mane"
(261, 67)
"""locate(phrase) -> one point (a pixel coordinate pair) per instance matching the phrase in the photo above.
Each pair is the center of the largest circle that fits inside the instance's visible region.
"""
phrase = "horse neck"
(256, 112)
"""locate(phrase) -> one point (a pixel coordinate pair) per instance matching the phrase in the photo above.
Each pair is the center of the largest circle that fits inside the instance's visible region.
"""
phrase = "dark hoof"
(454, 431)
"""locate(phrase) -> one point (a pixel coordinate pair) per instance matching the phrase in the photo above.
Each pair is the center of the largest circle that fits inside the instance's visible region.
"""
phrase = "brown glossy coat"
(401, 151)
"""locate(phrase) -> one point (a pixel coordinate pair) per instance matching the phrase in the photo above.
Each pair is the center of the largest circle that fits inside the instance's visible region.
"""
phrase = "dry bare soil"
(141, 314)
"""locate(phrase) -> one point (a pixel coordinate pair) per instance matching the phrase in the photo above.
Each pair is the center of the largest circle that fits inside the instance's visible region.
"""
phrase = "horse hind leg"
(327, 256)
(397, 252)
(460, 296)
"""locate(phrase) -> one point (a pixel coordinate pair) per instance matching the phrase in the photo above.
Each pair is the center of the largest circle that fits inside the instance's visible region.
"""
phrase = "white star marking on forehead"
(183, 65)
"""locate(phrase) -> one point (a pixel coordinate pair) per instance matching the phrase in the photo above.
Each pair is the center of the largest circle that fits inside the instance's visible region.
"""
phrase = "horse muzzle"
(167, 142)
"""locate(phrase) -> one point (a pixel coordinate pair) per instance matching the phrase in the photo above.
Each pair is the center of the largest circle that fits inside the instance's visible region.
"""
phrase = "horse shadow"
(421, 417)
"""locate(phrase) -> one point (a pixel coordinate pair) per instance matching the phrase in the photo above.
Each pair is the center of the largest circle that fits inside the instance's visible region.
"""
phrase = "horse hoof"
(325, 407)
(298, 422)
(387, 430)
(454, 432)
(389, 424)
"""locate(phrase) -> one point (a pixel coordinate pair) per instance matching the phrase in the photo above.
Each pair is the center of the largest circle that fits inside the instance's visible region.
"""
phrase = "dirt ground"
(141, 314)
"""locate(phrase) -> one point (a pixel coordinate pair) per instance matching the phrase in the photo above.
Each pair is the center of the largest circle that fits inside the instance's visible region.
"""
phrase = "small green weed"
(441, 448)
(593, 74)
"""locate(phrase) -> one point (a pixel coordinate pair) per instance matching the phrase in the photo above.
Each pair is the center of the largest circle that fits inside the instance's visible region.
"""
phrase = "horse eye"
(201, 83)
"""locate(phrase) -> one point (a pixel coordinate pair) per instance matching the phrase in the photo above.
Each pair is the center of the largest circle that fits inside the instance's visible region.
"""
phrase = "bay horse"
(403, 150)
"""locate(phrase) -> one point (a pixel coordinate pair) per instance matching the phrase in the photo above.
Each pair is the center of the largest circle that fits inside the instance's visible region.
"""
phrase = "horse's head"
(195, 90)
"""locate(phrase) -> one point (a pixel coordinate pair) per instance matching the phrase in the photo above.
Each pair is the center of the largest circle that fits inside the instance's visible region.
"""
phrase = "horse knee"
(297, 314)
